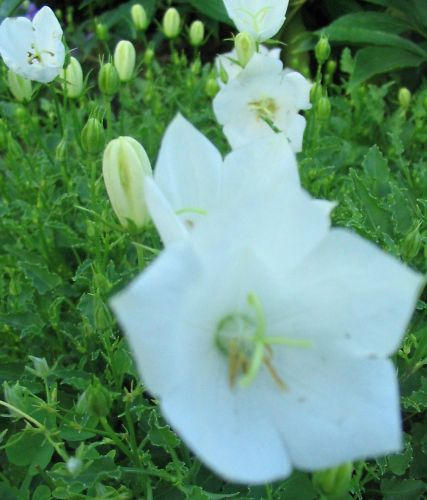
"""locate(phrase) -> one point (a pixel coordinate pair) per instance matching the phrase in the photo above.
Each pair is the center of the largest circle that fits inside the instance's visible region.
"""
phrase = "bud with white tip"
(124, 60)
(72, 77)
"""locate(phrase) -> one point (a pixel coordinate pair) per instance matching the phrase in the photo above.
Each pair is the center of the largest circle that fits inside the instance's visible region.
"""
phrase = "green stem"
(113, 436)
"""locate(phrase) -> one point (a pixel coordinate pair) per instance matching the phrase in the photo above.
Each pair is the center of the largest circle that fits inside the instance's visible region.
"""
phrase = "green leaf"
(29, 448)
(407, 489)
(42, 279)
(399, 463)
(372, 61)
(347, 61)
(212, 8)
(161, 435)
(42, 493)
(376, 168)
(7, 7)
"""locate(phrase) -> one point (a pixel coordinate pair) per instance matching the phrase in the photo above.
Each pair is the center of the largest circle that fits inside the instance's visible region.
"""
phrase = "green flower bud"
(334, 483)
(171, 23)
(124, 60)
(20, 87)
(72, 77)
(405, 97)
(323, 108)
(108, 79)
(95, 401)
(316, 92)
(211, 87)
(322, 50)
(101, 32)
(125, 166)
(17, 396)
(196, 66)
(222, 73)
(148, 56)
(197, 33)
(61, 151)
(331, 67)
(245, 47)
(411, 244)
(93, 137)
(40, 367)
(139, 17)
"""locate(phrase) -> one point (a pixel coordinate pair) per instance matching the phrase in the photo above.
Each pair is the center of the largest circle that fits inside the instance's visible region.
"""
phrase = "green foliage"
(84, 427)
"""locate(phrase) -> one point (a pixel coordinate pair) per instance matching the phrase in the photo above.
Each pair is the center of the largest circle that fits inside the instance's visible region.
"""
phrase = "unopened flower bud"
(61, 151)
(93, 137)
(20, 87)
(148, 56)
(322, 50)
(16, 396)
(245, 47)
(108, 79)
(405, 97)
(211, 87)
(171, 23)
(197, 33)
(334, 483)
(222, 73)
(40, 367)
(323, 108)
(72, 77)
(125, 166)
(124, 60)
(95, 401)
(316, 92)
(331, 67)
(196, 66)
(411, 244)
(101, 32)
(139, 17)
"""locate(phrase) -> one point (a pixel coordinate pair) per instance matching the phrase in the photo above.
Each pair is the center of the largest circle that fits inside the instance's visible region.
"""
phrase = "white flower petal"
(300, 89)
(294, 127)
(16, 37)
(188, 170)
(149, 311)
(350, 297)
(261, 18)
(335, 409)
(168, 224)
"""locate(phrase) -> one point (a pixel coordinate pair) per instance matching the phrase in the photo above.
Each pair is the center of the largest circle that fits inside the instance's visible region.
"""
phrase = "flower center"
(265, 109)
(35, 55)
(242, 338)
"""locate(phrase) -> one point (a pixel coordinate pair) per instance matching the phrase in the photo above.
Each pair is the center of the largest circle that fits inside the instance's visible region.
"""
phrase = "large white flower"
(266, 336)
(262, 97)
(34, 49)
(229, 63)
(261, 18)
(192, 181)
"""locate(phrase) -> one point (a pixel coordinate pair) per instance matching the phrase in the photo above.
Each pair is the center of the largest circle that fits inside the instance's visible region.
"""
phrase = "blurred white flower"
(261, 18)
(266, 336)
(192, 181)
(34, 49)
(262, 97)
(229, 64)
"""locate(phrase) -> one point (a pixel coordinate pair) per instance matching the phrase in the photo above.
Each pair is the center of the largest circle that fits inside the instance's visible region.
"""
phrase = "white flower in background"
(266, 337)
(261, 18)
(229, 64)
(261, 96)
(192, 182)
(34, 49)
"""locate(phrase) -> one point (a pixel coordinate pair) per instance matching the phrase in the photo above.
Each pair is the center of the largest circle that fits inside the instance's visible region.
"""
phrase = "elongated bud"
(334, 483)
(197, 33)
(222, 73)
(61, 150)
(323, 108)
(171, 23)
(108, 79)
(211, 87)
(72, 77)
(405, 97)
(95, 401)
(316, 92)
(125, 166)
(245, 47)
(101, 32)
(412, 243)
(331, 67)
(40, 367)
(139, 17)
(124, 60)
(20, 87)
(93, 137)
(148, 56)
(322, 50)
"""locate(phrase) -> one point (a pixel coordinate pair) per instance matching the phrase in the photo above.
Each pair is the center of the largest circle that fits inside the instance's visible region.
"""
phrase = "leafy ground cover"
(76, 422)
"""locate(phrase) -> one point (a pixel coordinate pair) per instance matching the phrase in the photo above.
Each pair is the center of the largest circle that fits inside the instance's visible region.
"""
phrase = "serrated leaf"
(376, 168)
(377, 216)
(401, 208)
(161, 435)
(42, 279)
(347, 61)
(372, 61)
(399, 463)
